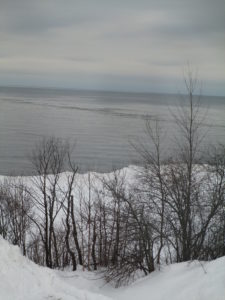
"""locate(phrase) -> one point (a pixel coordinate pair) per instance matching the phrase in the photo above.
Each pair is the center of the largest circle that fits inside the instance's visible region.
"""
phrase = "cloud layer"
(117, 45)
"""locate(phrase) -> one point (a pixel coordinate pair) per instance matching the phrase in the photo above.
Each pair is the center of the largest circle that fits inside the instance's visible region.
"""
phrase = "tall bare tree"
(49, 159)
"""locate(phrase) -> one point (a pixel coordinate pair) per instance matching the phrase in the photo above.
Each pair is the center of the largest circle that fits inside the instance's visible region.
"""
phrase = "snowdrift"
(21, 279)
(183, 281)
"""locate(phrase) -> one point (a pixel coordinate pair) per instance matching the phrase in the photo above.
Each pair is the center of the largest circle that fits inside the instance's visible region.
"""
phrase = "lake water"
(101, 123)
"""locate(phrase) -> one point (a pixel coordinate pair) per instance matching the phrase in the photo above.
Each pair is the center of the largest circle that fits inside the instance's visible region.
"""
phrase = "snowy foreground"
(21, 279)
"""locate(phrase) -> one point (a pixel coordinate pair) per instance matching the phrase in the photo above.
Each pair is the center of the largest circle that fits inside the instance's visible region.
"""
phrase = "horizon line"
(106, 90)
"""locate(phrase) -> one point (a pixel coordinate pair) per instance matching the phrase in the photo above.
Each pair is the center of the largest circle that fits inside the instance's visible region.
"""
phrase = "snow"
(21, 279)
(181, 281)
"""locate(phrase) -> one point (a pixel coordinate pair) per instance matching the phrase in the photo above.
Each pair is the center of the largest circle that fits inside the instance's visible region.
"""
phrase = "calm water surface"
(101, 123)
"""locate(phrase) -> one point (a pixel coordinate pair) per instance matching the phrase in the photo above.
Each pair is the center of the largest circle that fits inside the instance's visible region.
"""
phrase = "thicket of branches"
(172, 210)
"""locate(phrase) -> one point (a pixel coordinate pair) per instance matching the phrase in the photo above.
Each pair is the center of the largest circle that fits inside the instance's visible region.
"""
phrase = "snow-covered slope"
(21, 279)
(183, 281)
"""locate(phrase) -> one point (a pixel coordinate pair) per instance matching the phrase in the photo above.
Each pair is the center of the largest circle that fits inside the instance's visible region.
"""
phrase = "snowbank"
(21, 279)
(183, 281)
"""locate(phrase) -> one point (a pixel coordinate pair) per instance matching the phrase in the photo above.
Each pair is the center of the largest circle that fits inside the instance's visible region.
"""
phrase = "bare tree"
(132, 243)
(49, 159)
(151, 185)
(174, 187)
(15, 209)
(214, 243)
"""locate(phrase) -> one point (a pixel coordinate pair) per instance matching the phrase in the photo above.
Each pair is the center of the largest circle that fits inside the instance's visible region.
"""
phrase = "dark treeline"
(171, 210)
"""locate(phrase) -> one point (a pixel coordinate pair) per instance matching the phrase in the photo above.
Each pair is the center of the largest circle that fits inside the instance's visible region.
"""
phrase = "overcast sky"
(128, 45)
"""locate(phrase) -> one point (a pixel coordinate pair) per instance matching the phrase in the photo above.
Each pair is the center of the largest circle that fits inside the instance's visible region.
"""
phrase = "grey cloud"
(66, 41)
(180, 22)
(80, 59)
(38, 19)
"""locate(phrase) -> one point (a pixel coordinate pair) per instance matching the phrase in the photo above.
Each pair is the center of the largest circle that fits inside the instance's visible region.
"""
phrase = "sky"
(123, 45)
